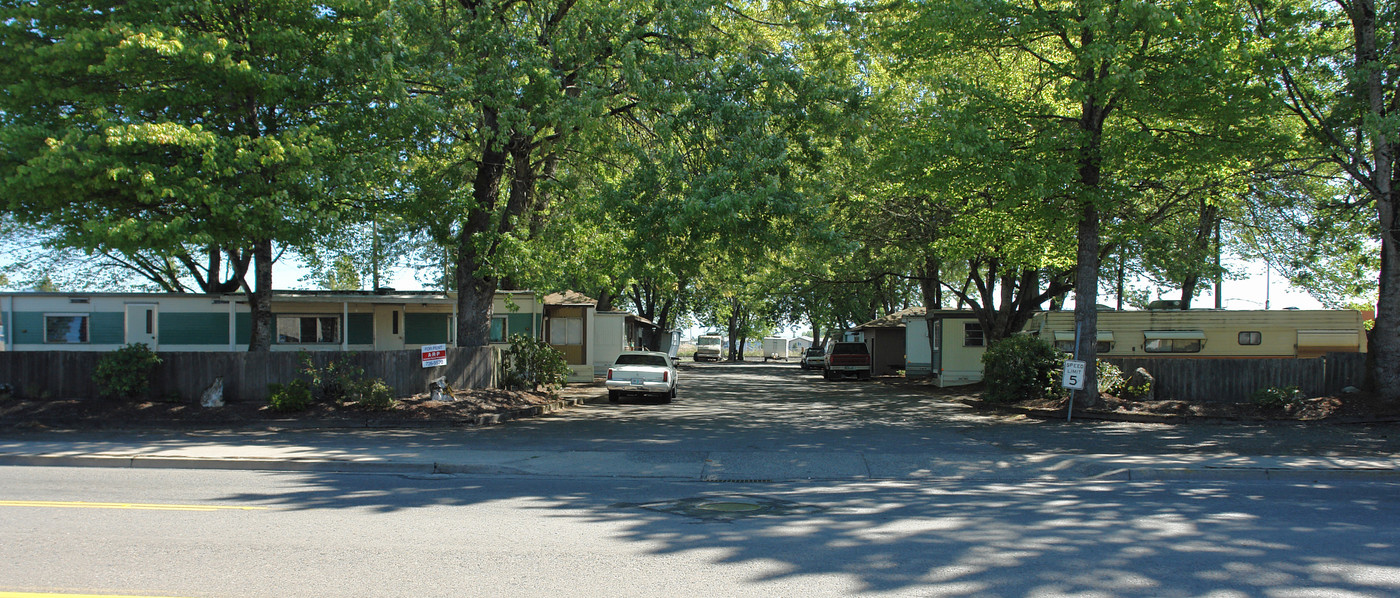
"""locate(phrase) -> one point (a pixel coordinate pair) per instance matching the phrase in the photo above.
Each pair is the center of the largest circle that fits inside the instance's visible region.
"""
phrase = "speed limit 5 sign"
(1074, 374)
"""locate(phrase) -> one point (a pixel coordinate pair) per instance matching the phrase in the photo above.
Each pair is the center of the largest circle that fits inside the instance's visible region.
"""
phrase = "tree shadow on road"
(951, 538)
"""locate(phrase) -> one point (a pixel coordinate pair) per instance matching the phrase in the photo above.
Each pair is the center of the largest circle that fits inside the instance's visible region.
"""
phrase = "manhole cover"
(726, 508)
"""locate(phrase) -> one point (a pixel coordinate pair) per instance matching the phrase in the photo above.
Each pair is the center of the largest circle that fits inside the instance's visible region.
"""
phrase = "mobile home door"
(141, 324)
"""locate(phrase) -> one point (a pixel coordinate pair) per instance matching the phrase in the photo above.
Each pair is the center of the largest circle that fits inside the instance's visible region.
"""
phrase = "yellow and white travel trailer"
(1212, 333)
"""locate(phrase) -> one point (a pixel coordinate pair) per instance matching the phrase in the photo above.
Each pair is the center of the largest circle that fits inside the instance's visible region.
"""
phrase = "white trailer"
(775, 347)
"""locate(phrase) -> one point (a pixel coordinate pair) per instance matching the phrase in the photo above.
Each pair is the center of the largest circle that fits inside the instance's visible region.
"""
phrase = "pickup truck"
(847, 359)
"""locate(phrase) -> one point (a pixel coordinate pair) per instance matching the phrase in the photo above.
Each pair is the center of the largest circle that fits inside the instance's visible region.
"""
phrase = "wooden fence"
(1234, 380)
(68, 374)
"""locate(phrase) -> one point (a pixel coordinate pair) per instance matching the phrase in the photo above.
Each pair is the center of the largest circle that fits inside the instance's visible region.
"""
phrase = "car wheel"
(613, 396)
(826, 374)
(673, 392)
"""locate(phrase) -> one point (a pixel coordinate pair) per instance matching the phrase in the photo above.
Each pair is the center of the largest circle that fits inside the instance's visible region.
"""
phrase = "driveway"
(761, 406)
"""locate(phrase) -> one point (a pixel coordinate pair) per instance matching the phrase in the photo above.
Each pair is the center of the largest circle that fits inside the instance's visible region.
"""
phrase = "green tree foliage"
(490, 134)
(153, 126)
(1307, 228)
(1336, 68)
(342, 275)
(1053, 121)
(679, 125)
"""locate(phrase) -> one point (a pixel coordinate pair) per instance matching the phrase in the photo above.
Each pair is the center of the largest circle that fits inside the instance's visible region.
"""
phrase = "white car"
(646, 373)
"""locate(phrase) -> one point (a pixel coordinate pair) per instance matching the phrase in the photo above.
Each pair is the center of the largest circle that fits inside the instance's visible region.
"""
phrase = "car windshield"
(815, 352)
(637, 359)
(709, 341)
(846, 348)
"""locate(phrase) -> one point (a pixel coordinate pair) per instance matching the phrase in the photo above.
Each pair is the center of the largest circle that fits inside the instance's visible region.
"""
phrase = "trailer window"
(1251, 338)
(1064, 341)
(1099, 347)
(308, 329)
(972, 335)
(65, 328)
(1172, 345)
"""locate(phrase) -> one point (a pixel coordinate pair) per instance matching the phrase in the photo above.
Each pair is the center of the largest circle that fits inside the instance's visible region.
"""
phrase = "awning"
(1173, 334)
(1104, 336)
(1329, 338)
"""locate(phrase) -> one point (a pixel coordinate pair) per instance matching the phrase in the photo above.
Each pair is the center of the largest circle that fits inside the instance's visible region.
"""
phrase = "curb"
(1135, 474)
(368, 422)
(1147, 418)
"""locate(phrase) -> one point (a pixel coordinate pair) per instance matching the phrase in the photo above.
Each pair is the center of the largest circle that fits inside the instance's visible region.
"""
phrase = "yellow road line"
(117, 505)
(42, 595)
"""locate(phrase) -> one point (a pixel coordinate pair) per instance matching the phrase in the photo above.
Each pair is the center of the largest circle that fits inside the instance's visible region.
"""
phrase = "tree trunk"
(1086, 284)
(1086, 314)
(1384, 349)
(475, 295)
(476, 286)
(1188, 290)
(260, 301)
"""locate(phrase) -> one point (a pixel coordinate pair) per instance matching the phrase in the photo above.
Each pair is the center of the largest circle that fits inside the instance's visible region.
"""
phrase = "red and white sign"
(434, 355)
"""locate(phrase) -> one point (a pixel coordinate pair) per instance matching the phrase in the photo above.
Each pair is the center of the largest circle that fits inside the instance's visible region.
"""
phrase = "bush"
(1273, 397)
(126, 372)
(293, 396)
(334, 382)
(373, 394)
(533, 363)
(1110, 377)
(1020, 368)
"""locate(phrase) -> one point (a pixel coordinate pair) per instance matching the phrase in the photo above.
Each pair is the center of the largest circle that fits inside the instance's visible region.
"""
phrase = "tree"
(680, 96)
(342, 276)
(1106, 95)
(502, 94)
(1336, 68)
(1303, 221)
(151, 128)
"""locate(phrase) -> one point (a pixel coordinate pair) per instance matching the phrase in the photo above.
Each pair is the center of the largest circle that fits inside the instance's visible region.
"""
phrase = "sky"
(1253, 292)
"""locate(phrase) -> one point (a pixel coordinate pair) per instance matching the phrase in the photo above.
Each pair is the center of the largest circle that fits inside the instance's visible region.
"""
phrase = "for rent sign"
(434, 355)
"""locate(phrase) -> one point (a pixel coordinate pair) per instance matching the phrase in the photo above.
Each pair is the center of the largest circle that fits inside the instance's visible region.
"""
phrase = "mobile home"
(302, 320)
(954, 358)
(1213, 333)
(888, 341)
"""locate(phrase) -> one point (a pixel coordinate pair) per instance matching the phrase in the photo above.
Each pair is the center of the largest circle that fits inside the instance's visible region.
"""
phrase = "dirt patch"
(1353, 407)
(467, 409)
(1357, 407)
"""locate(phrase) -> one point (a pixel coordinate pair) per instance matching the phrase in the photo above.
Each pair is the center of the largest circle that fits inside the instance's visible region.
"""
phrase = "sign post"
(1073, 380)
(434, 355)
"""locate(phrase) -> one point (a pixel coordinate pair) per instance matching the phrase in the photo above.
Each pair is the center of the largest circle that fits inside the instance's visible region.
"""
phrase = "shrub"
(292, 396)
(1111, 378)
(126, 372)
(334, 382)
(533, 363)
(1021, 367)
(373, 394)
(1273, 397)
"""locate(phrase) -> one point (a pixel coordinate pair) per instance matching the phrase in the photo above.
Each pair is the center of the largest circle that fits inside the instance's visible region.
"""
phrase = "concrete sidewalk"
(409, 452)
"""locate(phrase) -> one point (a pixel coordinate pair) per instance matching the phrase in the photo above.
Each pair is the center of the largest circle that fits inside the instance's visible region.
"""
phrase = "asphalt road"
(180, 532)
(326, 535)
